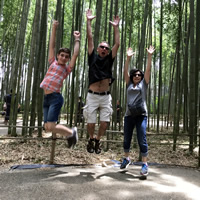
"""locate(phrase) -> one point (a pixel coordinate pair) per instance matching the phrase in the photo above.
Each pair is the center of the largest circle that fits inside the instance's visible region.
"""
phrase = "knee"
(90, 125)
(49, 127)
(104, 125)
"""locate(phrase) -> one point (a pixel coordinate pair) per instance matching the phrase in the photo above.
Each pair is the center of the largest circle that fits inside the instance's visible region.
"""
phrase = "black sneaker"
(97, 147)
(125, 163)
(90, 146)
(73, 139)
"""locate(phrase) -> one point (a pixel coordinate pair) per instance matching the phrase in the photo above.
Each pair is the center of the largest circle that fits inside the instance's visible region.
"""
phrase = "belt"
(99, 93)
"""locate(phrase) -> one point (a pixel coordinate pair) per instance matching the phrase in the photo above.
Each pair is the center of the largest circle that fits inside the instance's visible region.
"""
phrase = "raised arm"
(147, 73)
(53, 40)
(115, 25)
(129, 53)
(76, 49)
(90, 17)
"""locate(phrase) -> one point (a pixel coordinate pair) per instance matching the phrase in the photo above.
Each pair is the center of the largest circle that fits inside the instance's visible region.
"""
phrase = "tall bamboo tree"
(32, 62)
(17, 60)
(197, 69)
(192, 81)
(98, 22)
(178, 92)
(160, 66)
(143, 36)
(39, 72)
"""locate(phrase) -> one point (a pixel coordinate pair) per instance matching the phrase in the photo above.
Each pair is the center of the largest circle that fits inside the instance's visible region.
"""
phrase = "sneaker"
(144, 170)
(97, 147)
(73, 139)
(125, 163)
(90, 146)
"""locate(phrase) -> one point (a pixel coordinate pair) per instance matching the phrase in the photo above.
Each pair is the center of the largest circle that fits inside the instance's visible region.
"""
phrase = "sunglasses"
(103, 47)
(63, 55)
(137, 75)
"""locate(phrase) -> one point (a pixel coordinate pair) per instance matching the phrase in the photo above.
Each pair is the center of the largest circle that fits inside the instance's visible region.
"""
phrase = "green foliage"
(11, 17)
(8, 26)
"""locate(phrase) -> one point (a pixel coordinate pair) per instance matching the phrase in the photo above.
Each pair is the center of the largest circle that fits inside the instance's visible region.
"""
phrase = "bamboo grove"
(171, 26)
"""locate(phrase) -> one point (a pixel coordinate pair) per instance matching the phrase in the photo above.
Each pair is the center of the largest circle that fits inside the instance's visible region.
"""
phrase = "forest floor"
(21, 152)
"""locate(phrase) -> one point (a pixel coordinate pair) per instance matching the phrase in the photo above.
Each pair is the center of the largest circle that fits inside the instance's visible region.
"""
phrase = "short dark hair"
(104, 42)
(133, 71)
(65, 50)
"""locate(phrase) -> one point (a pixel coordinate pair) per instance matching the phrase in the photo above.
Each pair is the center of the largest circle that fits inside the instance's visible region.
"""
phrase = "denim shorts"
(51, 107)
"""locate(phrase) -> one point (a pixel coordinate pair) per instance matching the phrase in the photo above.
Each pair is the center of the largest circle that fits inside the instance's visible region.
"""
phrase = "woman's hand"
(150, 50)
(130, 52)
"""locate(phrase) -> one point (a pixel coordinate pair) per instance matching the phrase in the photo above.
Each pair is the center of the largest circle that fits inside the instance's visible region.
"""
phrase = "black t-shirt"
(7, 99)
(80, 107)
(100, 68)
(119, 110)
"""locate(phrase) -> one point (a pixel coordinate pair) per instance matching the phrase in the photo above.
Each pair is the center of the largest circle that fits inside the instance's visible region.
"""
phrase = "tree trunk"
(178, 92)
(39, 72)
(17, 66)
(192, 107)
(197, 70)
(32, 62)
(98, 23)
(160, 67)
(143, 36)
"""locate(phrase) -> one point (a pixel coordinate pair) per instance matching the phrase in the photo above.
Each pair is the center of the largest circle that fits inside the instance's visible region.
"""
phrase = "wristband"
(77, 40)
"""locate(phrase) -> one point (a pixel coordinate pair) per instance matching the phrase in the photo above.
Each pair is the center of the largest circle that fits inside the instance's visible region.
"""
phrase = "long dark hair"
(133, 71)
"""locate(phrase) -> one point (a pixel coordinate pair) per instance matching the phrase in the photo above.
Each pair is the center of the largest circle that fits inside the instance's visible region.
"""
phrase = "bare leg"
(58, 128)
(102, 129)
(144, 159)
(90, 129)
(126, 154)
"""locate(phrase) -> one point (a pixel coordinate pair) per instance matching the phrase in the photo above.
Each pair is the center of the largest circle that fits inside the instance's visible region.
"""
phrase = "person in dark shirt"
(118, 111)
(100, 78)
(7, 100)
(80, 110)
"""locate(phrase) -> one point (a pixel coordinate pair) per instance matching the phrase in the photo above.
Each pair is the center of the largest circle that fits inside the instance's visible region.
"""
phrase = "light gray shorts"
(101, 103)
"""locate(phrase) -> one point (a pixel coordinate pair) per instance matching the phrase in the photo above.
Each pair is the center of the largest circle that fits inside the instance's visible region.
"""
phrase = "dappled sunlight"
(109, 180)
(63, 175)
(124, 194)
(174, 184)
(60, 186)
(90, 196)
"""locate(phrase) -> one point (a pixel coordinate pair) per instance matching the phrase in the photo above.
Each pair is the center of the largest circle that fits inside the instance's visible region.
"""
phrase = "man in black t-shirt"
(100, 78)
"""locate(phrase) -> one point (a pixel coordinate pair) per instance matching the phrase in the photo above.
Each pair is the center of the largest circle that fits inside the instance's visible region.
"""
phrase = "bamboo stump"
(53, 146)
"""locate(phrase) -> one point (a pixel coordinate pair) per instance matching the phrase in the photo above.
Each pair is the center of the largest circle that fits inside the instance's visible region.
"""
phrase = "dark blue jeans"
(129, 124)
